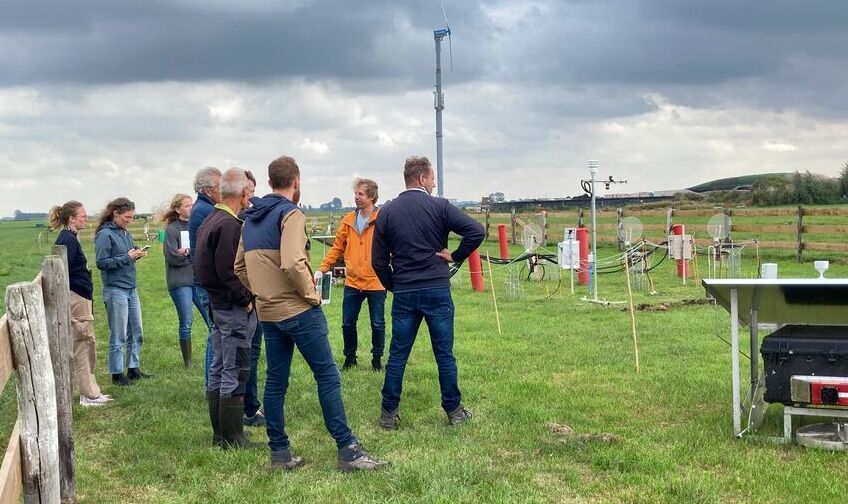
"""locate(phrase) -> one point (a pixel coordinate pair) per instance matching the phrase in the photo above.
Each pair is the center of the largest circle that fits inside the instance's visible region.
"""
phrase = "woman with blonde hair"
(71, 218)
(179, 273)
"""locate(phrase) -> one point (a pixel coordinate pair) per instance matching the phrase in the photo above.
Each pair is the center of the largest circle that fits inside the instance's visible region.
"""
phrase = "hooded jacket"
(112, 247)
(273, 259)
(356, 250)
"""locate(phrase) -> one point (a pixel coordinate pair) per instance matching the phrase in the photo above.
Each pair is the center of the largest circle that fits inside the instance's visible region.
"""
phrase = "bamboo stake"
(494, 299)
(632, 315)
(697, 270)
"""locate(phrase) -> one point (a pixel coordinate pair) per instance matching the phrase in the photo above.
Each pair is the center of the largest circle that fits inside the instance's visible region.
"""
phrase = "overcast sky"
(100, 99)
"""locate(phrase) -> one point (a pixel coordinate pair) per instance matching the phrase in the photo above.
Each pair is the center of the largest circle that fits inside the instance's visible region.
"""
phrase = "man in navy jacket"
(411, 259)
(207, 184)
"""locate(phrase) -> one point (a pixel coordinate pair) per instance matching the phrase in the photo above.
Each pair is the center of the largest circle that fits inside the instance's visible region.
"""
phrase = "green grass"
(560, 364)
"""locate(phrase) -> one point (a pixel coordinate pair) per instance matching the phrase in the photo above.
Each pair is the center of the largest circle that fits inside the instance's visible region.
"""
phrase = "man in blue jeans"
(273, 262)
(353, 243)
(411, 259)
(207, 184)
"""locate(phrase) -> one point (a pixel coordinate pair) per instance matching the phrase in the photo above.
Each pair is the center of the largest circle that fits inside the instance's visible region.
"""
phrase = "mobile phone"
(145, 247)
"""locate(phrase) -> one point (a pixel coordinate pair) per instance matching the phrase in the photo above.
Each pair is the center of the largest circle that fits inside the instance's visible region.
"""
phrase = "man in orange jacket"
(353, 242)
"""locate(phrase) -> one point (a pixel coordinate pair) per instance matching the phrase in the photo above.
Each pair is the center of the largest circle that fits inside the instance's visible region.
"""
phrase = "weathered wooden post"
(543, 217)
(618, 212)
(36, 393)
(580, 217)
(512, 225)
(800, 251)
(669, 213)
(54, 284)
(487, 226)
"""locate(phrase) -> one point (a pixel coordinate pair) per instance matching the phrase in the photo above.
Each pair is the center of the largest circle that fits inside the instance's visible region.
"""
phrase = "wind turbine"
(439, 99)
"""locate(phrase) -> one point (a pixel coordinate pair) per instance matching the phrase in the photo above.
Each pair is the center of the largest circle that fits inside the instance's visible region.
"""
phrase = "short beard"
(296, 196)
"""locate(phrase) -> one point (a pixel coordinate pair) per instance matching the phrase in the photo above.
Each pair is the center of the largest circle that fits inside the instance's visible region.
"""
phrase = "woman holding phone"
(179, 273)
(116, 255)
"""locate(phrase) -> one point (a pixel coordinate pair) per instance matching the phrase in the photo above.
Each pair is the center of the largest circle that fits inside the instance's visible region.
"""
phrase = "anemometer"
(588, 186)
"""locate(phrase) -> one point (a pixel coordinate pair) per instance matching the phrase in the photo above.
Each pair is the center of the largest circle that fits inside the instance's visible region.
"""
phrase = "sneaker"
(389, 419)
(283, 460)
(257, 420)
(121, 379)
(376, 365)
(350, 361)
(100, 400)
(459, 415)
(354, 458)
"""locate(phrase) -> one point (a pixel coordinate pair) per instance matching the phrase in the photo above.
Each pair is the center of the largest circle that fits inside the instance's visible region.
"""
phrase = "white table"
(776, 301)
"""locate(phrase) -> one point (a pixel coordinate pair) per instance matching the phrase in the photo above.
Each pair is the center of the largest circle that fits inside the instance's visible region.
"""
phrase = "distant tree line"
(335, 204)
(801, 189)
(19, 215)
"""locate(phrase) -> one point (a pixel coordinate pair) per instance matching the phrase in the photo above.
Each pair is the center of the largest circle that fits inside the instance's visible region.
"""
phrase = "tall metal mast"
(439, 105)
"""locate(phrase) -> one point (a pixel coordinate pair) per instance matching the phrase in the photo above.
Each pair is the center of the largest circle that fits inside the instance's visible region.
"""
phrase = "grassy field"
(560, 414)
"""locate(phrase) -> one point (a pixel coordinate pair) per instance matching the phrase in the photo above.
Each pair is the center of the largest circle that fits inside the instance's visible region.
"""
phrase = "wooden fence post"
(487, 226)
(580, 217)
(669, 213)
(512, 225)
(54, 284)
(544, 219)
(618, 212)
(800, 252)
(36, 393)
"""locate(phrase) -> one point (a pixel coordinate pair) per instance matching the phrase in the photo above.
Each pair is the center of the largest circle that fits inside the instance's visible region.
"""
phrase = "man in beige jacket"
(273, 262)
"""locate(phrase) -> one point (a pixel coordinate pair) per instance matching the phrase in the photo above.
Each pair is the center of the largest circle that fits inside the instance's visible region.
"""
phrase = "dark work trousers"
(251, 395)
(351, 306)
(232, 333)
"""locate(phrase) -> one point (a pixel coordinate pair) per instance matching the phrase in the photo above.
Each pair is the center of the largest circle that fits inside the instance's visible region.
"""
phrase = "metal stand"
(790, 411)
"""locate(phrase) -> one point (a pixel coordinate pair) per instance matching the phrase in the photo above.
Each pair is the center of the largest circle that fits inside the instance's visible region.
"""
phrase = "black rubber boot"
(185, 348)
(231, 416)
(121, 380)
(349, 362)
(135, 373)
(214, 399)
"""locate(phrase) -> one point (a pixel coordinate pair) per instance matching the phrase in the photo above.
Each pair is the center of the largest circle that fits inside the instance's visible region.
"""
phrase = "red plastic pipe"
(682, 265)
(583, 272)
(475, 267)
(502, 241)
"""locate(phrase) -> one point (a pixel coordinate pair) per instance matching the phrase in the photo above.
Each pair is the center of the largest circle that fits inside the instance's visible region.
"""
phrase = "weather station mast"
(439, 105)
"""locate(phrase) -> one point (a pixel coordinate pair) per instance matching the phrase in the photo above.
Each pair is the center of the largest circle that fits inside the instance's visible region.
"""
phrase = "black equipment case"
(805, 350)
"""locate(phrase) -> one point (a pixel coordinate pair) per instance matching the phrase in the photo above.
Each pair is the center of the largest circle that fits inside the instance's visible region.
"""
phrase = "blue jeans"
(251, 397)
(308, 331)
(123, 311)
(203, 296)
(351, 305)
(184, 298)
(408, 309)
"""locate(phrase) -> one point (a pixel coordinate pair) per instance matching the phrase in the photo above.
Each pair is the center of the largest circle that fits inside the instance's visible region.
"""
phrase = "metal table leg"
(787, 425)
(734, 360)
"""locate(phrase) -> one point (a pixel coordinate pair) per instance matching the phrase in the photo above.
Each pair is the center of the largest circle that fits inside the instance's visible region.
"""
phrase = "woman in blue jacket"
(116, 255)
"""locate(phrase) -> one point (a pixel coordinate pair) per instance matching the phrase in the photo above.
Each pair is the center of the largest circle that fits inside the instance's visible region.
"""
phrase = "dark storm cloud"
(605, 55)
(648, 42)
